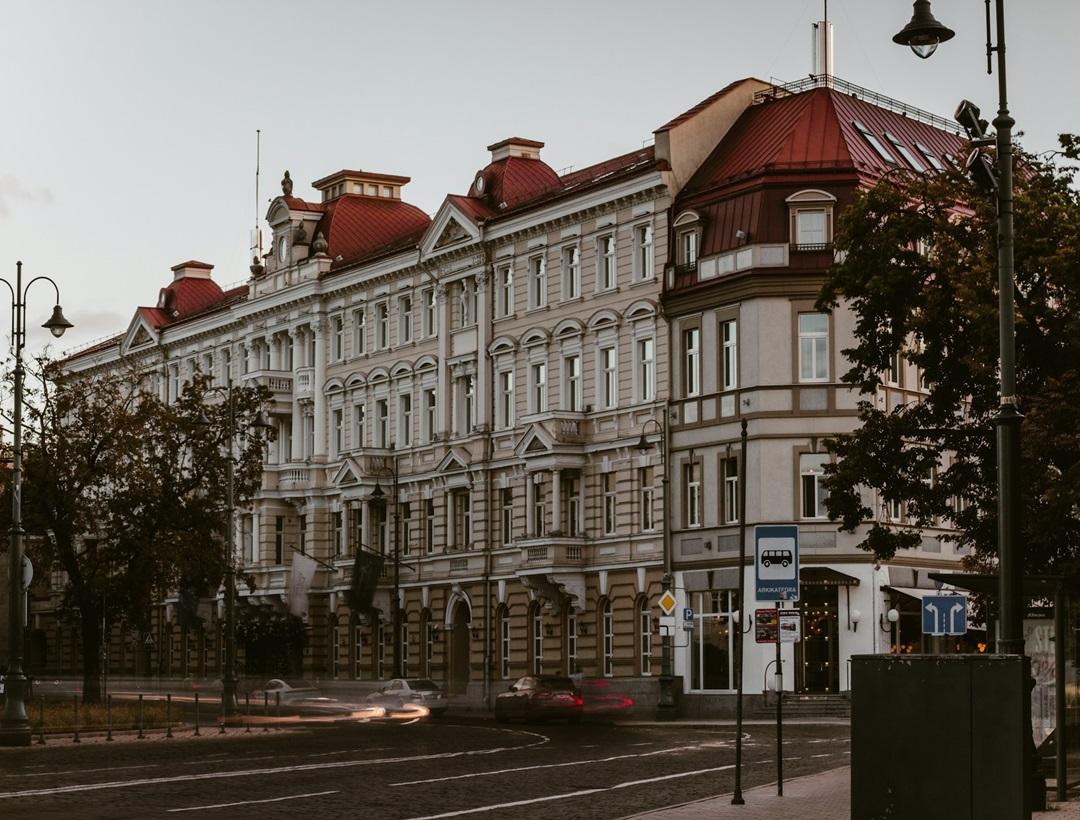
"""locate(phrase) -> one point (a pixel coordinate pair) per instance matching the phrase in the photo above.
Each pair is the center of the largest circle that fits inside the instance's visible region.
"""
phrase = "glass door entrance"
(819, 656)
(712, 643)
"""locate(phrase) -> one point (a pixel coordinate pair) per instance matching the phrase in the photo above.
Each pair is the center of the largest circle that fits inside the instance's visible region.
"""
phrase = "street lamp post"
(15, 726)
(395, 618)
(228, 677)
(923, 34)
(666, 701)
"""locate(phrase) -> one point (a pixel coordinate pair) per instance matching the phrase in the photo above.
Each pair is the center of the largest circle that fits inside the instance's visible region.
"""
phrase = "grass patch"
(60, 716)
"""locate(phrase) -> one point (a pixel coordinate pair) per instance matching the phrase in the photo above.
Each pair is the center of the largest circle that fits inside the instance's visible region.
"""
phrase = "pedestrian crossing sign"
(667, 602)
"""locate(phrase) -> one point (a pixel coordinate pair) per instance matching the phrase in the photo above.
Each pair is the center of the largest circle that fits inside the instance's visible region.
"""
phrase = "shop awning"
(915, 593)
(826, 577)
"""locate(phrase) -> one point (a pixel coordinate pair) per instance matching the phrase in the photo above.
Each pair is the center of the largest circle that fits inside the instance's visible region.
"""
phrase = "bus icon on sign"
(781, 557)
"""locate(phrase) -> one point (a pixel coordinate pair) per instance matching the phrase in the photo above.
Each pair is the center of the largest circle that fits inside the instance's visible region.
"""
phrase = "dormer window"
(687, 241)
(811, 220)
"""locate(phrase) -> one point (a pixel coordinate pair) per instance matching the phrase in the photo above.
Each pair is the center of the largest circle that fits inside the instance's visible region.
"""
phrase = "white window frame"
(811, 474)
(645, 365)
(729, 342)
(607, 627)
(644, 259)
(731, 490)
(505, 283)
(692, 493)
(692, 361)
(572, 387)
(382, 422)
(813, 346)
(382, 325)
(571, 272)
(338, 424)
(430, 410)
(536, 628)
(537, 282)
(608, 357)
(405, 328)
(506, 516)
(538, 387)
(431, 316)
(647, 513)
(359, 424)
(405, 410)
(607, 263)
(337, 346)
(504, 644)
(611, 500)
(505, 414)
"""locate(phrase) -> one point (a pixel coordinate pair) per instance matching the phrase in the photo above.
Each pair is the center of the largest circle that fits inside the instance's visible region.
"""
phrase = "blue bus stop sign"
(944, 615)
(776, 562)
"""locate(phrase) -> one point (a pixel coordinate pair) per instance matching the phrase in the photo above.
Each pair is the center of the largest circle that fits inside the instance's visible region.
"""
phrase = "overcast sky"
(128, 138)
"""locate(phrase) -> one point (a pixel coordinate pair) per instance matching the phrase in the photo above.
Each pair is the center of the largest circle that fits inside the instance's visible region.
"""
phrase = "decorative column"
(275, 351)
(444, 404)
(296, 340)
(530, 513)
(556, 501)
(318, 327)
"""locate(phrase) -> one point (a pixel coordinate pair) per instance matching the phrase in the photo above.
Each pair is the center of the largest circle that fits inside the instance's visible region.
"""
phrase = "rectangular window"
(645, 638)
(875, 143)
(729, 359)
(357, 515)
(337, 343)
(538, 377)
(811, 476)
(405, 419)
(646, 355)
(692, 361)
(643, 247)
(505, 415)
(931, 157)
(906, 153)
(571, 642)
(572, 383)
(359, 327)
(406, 527)
(339, 534)
(688, 248)
(303, 534)
(507, 515)
(731, 490)
(505, 284)
(430, 424)
(382, 423)
(429, 525)
(467, 388)
(608, 631)
(382, 325)
(610, 499)
(537, 282)
(504, 645)
(605, 263)
(249, 544)
(359, 425)
(430, 316)
(813, 347)
(571, 272)
(338, 431)
(462, 519)
(405, 319)
(279, 540)
(609, 378)
(539, 510)
(572, 493)
(692, 493)
(648, 493)
(895, 368)
(811, 227)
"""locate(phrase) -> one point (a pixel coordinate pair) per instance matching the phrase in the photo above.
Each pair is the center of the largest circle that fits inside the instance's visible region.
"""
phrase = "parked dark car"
(420, 691)
(535, 697)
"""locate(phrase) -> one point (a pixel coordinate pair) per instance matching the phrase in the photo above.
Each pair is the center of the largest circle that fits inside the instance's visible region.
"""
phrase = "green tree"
(127, 494)
(919, 271)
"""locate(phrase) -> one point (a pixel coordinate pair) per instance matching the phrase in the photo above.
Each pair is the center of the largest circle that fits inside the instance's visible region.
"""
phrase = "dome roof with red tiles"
(358, 226)
(509, 181)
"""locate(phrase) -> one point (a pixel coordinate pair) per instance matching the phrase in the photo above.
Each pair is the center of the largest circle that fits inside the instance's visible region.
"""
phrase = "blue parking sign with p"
(776, 562)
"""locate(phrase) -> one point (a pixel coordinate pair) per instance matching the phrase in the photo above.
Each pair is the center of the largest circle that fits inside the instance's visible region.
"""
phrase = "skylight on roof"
(931, 157)
(875, 143)
(906, 152)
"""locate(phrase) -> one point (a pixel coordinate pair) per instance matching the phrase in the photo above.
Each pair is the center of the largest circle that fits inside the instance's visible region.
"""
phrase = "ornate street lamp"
(923, 34)
(379, 497)
(15, 725)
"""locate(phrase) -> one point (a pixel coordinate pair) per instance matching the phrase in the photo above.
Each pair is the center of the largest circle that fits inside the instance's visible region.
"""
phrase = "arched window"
(504, 642)
(607, 639)
(644, 623)
(536, 639)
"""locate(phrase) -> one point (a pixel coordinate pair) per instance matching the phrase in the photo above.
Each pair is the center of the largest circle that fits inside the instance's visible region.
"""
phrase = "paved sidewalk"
(824, 796)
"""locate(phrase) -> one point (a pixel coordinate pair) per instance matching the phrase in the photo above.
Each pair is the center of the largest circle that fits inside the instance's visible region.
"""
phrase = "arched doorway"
(459, 649)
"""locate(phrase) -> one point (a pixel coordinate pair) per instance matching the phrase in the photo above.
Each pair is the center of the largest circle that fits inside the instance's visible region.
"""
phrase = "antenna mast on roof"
(821, 49)
(256, 234)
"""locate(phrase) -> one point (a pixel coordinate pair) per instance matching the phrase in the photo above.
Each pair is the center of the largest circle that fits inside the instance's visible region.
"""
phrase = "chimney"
(191, 270)
(515, 147)
(822, 50)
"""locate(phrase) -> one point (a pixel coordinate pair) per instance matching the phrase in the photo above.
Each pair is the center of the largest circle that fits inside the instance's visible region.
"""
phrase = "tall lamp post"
(923, 34)
(15, 726)
(666, 703)
(228, 677)
(380, 497)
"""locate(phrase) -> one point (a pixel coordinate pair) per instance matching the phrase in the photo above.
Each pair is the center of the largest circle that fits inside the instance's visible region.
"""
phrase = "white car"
(421, 691)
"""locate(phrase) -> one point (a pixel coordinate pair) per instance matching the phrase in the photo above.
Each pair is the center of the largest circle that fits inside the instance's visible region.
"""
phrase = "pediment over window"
(448, 229)
(140, 334)
(347, 474)
(453, 233)
(536, 441)
(455, 461)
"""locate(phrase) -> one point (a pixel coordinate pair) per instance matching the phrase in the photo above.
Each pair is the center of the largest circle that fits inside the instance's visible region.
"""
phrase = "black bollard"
(41, 728)
(108, 717)
(247, 713)
(76, 701)
(140, 735)
(168, 714)
(196, 714)
(277, 708)
(266, 711)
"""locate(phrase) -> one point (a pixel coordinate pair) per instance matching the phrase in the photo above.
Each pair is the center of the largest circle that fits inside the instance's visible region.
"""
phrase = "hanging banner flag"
(365, 577)
(300, 578)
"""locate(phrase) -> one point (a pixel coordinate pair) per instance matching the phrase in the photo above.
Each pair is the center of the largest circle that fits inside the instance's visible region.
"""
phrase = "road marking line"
(250, 802)
(300, 767)
(537, 766)
(625, 785)
(84, 771)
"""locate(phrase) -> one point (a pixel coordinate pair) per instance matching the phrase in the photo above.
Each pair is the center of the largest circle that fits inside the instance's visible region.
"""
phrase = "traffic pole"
(779, 710)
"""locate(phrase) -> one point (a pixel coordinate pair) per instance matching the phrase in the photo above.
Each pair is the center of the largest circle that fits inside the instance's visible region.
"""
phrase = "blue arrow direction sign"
(944, 615)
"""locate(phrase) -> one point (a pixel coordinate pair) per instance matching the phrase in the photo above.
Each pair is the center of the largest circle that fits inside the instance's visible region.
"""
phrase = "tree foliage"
(126, 494)
(919, 270)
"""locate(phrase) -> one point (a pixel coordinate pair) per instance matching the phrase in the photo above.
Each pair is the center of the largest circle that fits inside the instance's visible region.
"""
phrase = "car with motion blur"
(540, 697)
(399, 692)
(278, 696)
(603, 700)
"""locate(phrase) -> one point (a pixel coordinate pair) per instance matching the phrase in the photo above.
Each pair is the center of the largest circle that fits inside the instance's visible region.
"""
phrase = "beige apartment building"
(461, 395)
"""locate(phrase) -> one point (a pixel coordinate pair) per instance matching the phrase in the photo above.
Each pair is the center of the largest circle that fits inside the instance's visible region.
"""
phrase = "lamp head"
(262, 421)
(377, 494)
(893, 615)
(202, 421)
(923, 34)
(643, 443)
(57, 324)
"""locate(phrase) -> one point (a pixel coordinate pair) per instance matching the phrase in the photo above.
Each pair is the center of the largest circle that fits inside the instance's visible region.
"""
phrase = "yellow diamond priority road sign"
(668, 602)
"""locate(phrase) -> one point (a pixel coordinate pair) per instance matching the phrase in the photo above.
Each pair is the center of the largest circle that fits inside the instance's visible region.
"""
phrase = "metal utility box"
(939, 736)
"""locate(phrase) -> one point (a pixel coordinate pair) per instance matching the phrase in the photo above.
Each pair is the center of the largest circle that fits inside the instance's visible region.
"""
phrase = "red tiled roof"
(155, 317)
(513, 181)
(601, 171)
(295, 203)
(357, 226)
(193, 295)
(812, 130)
(476, 209)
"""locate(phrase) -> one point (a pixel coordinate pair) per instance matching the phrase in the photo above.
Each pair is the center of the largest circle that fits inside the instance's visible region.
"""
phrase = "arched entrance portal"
(459, 649)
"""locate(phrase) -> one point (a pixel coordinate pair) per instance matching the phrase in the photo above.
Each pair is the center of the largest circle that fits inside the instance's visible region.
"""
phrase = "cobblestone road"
(427, 769)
